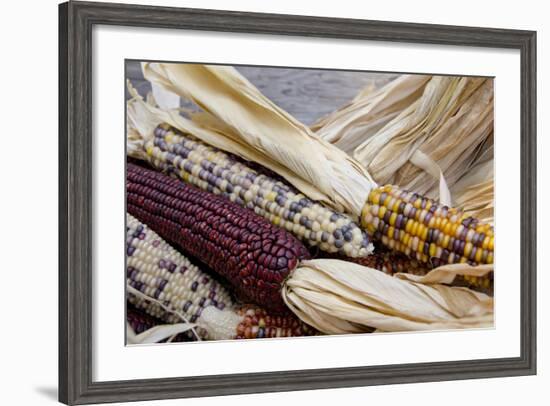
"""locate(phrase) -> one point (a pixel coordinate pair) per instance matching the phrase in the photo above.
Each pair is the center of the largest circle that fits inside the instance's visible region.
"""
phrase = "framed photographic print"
(259, 202)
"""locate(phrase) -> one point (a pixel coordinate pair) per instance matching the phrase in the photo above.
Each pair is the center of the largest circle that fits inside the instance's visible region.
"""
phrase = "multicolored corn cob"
(218, 172)
(425, 230)
(257, 323)
(244, 248)
(152, 259)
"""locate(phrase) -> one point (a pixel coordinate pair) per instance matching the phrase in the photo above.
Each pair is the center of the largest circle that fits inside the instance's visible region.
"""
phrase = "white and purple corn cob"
(215, 171)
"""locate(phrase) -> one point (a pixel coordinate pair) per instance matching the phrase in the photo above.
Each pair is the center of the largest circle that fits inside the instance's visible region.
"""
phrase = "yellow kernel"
(446, 240)
(391, 230)
(437, 223)
(418, 203)
(490, 258)
(479, 252)
(433, 249)
(276, 220)
(423, 232)
(485, 244)
(492, 243)
(408, 226)
(382, 211)
(392, 218)
(468, 249)
(375, 198)
(168, 137)
(396, 205)
(150, 150)
(414, 228)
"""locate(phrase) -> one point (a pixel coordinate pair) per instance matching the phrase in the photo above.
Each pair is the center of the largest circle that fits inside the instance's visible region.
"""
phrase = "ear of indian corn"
(244, 248)
(425, 230)
(258, 323)
(218, 172)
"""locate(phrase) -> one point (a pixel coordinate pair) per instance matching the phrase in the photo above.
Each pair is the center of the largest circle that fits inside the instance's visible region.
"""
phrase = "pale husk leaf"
(474, 192)
(371, 110)
(449, 123)
(143, 117)
(447, 273)
(362, 298)
(258, 124)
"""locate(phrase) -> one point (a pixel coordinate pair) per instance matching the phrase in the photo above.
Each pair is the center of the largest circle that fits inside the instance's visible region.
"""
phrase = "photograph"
(284, 202)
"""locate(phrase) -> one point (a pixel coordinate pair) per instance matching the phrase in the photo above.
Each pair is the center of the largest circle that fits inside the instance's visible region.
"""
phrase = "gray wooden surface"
(307, 94)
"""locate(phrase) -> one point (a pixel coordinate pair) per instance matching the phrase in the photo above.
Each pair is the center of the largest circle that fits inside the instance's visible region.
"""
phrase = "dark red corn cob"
(257, 323)
(247, 250)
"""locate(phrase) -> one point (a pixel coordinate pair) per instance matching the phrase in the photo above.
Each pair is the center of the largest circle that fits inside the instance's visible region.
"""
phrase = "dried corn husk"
(449, 123)
(369, 112)
(474, 192)
(338, 297)
(259, 130)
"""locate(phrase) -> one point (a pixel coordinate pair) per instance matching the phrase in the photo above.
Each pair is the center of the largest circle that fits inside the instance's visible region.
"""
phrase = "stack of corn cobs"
(222, 244)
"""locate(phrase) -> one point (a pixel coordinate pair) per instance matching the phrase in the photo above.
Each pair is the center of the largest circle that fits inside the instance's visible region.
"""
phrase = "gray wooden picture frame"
(76, 20)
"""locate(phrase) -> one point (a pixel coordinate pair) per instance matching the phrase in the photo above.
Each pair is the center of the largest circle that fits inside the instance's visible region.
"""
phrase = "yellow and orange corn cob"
(425, 230)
